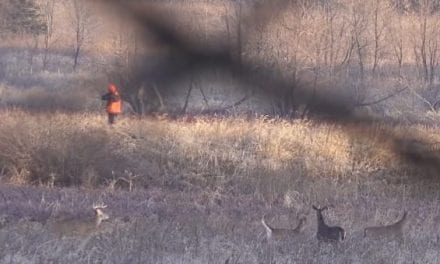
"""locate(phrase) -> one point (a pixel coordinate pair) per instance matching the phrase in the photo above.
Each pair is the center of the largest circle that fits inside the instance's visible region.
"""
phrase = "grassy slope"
(200, 188)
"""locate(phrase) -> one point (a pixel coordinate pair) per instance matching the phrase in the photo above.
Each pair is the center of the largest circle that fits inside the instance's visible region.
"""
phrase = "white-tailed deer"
(325, 232)
(392, 231)
(80, 226)
(273, 233)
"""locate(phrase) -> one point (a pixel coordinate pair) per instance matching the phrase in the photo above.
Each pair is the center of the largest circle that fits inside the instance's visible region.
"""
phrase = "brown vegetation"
(207, 182)
(80, 149)
(192, 188)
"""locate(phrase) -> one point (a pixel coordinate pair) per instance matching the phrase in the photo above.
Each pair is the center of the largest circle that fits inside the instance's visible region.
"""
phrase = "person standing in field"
(114, 103)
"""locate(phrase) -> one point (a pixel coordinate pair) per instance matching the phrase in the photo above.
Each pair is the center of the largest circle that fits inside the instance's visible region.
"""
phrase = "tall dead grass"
(232, 154)
(209, 181)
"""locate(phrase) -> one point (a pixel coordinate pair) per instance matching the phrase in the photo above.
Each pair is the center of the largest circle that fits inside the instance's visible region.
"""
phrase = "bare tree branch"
(382, 99)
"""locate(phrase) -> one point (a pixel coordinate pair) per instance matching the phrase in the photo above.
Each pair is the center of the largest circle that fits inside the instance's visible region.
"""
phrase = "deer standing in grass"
(325, 232)
(392, 231)
(80, 226)
(273, 233)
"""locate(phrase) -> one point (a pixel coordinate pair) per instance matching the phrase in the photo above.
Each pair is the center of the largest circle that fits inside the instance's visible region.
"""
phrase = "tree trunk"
(75, 58)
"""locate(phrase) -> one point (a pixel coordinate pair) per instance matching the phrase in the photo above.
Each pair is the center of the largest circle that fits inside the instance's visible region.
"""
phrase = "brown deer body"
(282, 233)
(392, 231)
(325, 232)
(79, 226)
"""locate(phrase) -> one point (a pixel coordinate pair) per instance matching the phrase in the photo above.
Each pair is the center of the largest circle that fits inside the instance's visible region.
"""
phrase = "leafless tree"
(359, 23)
(396, 41)
(234, 28)
(48, 8)
(378, 30)
(330, 38)
(130, 73)
(83, 24)
(3, 13)
(425, 42)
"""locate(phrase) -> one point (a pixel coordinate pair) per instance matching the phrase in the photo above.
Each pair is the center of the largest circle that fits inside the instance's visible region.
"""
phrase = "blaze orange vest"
(115, 107)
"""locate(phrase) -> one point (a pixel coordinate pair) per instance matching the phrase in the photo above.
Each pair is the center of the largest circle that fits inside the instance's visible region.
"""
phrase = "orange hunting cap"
(112, 87)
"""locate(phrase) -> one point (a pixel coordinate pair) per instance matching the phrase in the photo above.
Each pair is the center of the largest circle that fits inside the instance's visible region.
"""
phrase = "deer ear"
(314, 207)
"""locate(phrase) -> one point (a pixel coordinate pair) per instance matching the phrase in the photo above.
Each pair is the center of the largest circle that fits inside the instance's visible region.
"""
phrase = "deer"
(325, 232)
(391, 231)
(80, 226)
(273, 233)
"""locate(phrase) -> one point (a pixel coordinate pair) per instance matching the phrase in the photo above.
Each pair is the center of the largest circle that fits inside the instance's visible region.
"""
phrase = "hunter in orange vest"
(114, 103)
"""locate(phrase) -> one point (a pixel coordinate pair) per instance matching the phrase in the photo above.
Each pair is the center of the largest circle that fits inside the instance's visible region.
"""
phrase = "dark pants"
(111, 118)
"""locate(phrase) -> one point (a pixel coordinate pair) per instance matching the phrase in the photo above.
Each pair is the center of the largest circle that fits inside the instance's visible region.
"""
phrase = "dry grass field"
(182, 187)
(193, 190)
